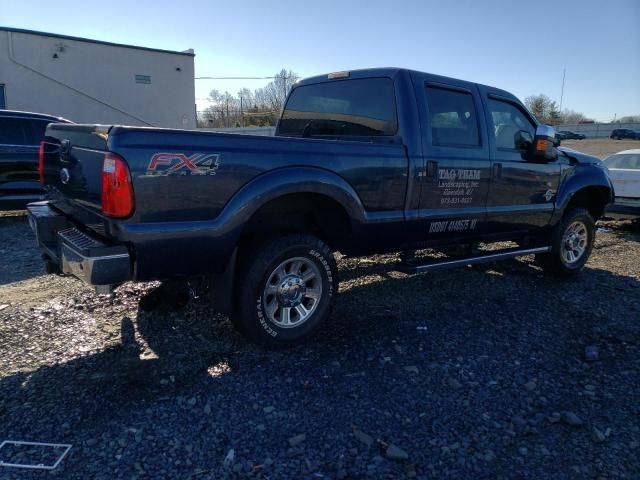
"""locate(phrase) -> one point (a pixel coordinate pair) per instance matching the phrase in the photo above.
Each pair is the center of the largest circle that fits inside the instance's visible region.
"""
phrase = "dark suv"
(20, 136)
(568, 135)
(620, 133)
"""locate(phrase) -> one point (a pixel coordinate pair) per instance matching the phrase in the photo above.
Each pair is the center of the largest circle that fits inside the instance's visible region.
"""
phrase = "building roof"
(89, 40)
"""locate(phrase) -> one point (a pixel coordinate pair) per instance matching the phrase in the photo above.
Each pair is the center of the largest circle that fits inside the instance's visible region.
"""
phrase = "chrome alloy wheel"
(574, 242)
(292, 292)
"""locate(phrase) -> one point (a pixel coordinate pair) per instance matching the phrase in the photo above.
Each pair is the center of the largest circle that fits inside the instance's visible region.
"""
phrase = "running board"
(472, 260)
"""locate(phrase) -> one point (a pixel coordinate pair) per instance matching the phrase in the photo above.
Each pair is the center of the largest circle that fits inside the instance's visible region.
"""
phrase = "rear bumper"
(18, 201)
(77, 253)
(624, 208)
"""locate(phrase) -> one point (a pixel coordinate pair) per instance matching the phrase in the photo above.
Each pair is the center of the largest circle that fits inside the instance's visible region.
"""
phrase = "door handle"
(497, 170)
(432, 168)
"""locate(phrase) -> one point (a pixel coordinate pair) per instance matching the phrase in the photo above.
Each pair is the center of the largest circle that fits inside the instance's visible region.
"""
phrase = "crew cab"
(362, 162)
(20, 137)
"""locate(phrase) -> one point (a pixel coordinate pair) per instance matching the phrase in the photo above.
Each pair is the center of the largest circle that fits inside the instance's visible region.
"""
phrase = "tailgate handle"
(65, 150)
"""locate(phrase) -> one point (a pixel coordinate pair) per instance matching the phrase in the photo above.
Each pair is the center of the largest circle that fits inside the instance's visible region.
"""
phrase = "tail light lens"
(41, 162)
(117, 189)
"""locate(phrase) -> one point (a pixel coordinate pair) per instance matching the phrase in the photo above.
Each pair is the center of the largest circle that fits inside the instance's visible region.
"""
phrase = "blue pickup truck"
(362, 162)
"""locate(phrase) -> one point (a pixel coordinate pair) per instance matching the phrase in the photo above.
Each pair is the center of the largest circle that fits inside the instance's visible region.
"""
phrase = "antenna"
(564, 71)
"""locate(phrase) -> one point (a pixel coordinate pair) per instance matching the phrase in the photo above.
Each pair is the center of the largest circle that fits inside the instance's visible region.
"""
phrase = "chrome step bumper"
(75, 252)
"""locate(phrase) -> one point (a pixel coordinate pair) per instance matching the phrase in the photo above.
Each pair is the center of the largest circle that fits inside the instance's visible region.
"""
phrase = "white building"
(89, 81)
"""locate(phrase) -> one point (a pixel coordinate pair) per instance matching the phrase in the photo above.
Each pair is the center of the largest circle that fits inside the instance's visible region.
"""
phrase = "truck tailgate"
(72, 167)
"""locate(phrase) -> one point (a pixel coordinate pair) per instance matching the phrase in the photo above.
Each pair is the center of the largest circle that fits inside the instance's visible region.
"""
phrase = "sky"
(520, 46)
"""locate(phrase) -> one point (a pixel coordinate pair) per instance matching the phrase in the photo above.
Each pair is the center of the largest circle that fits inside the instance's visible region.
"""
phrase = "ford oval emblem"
(65, 176)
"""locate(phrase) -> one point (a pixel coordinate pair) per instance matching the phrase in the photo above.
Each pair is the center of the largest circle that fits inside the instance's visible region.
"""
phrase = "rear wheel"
(572, 243)
(286, 290)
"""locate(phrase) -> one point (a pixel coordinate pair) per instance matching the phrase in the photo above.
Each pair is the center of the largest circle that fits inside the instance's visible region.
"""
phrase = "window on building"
(452, 116)
(361, 107)
(507, 121)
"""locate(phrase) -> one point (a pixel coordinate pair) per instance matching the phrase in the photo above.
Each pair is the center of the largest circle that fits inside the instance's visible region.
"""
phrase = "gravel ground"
(470, 373)
(601, 147)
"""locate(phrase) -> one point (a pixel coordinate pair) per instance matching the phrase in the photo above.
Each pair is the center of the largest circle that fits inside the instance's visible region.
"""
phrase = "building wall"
(96, 83)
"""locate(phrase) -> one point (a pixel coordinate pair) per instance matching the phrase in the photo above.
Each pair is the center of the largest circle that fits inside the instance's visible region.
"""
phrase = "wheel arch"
(588, 191)
(308, 211)
(294, 190)
(272, 190)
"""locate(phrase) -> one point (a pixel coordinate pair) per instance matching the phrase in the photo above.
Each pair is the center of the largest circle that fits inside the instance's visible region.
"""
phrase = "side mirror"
(558, 139)
(544, 144)
(522, 140)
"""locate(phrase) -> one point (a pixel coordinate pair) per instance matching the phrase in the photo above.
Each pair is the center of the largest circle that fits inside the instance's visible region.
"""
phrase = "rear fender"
(281, 182)
(212, 242)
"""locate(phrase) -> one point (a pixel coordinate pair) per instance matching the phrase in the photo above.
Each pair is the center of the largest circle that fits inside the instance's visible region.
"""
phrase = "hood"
(581, 158)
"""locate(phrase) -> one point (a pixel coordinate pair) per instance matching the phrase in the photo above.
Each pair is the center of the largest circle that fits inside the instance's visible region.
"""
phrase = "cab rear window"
(345, 108)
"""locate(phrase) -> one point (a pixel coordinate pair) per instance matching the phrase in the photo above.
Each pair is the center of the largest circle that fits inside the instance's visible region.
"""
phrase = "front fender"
(579, 178)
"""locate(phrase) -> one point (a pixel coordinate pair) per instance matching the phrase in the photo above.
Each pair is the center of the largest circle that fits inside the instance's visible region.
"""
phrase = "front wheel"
(572, 243)
(286, 290)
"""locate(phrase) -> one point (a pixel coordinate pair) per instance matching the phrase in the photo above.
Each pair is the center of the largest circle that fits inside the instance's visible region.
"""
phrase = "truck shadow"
(171, 360)
(156, 360)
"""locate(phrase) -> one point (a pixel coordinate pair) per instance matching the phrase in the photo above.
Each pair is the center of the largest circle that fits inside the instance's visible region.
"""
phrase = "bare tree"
(544, 109)
(276, 91)
(258, 108)
(571, 116)
(629, 119)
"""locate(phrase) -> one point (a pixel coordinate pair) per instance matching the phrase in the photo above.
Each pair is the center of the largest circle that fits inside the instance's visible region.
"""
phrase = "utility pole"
(284, 83)
(564, 71)
(241, 112)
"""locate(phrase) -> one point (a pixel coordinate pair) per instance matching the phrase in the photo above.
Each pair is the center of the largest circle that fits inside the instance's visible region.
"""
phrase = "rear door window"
(453, 118)
(12, 131)
(345, 108)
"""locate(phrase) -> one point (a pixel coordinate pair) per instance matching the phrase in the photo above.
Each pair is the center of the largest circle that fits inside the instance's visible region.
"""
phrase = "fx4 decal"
(164, 164)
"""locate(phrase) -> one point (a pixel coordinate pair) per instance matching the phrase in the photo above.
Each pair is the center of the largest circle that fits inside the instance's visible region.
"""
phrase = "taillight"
(41, 162)
(117, 189)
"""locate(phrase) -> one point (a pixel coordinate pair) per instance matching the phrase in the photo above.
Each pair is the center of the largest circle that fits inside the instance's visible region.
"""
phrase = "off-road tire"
(257, 263)
(555, 261)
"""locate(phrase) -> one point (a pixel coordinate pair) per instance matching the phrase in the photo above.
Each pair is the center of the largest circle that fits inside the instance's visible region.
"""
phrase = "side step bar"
(472, 260)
